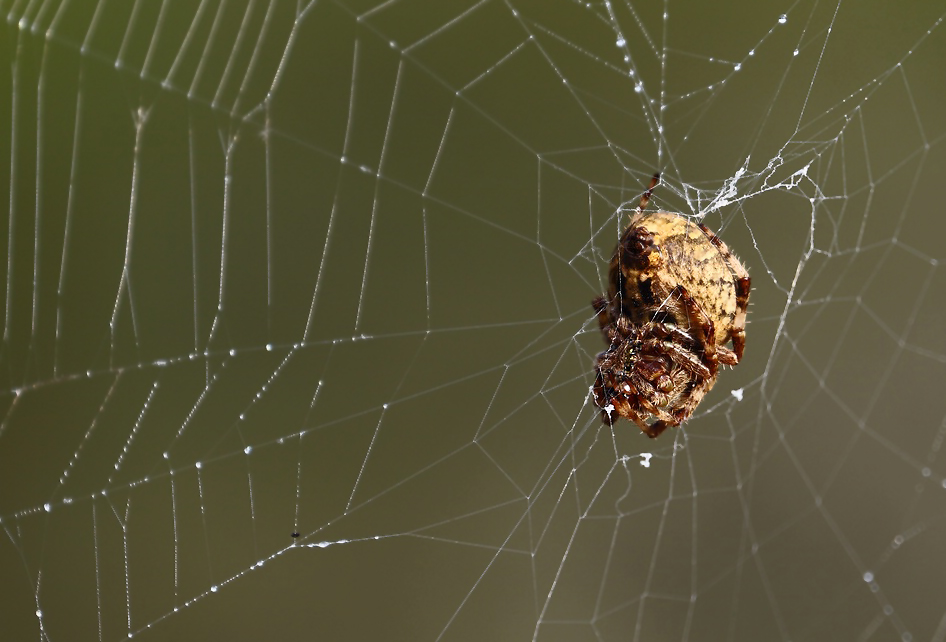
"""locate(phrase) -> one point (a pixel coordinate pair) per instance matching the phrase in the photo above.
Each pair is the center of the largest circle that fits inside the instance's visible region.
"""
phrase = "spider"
(676, 295)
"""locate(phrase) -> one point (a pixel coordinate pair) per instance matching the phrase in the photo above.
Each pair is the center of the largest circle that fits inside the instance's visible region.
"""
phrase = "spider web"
(297, 334)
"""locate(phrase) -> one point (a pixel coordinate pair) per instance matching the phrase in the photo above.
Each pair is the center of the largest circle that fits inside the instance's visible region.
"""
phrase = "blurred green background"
(326, 269)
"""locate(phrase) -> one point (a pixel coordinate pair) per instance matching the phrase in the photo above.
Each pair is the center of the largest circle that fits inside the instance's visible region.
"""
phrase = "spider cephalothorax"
(676, 296)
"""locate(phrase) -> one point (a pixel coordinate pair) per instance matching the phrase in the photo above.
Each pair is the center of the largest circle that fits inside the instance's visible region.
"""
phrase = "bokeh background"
(325, 269)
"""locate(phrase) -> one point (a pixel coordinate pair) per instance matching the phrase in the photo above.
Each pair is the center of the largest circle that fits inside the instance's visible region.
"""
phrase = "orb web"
(297, 331)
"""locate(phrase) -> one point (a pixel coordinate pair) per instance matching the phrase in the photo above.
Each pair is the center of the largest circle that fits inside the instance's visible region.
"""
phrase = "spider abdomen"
(680, 252)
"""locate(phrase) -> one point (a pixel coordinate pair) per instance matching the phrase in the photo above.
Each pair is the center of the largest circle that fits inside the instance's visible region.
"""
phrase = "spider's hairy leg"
(654, 370)
(614, 403)
(620, 407)
(685, 358)
(677, 348)
(701, 327)
(650, 399)
(743, 286)
(655, 429)
(630, 396)
(624, 409)
(600, 306)
(726, 356)
(645, 197)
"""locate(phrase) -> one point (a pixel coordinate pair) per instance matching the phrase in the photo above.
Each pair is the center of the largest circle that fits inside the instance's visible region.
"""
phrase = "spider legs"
(726, 356)
(675, 350)
(656, 373)
(653, 430)
(600, 305)
(639, 391)
(742, 307)
(699, 326)
(645, 197)
(624, 402)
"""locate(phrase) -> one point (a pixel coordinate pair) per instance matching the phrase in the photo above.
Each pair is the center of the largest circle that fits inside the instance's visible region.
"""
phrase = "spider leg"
(645, 197)
(698, 322)
(665, 331)
(743, 286)
(634, 397)
(700, 326)
(652, 429)
(726, 356)
(616, 405)
(682, 413)
(739, 341)
(628, 413)
(600, 306)
(650, 398)
(683, 356)
(655, 429)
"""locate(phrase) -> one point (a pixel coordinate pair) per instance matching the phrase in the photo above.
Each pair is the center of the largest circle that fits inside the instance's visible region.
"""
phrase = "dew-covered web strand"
(377, 185)
(11, 222)
(38, 223)
(337, 195)
(67, 228)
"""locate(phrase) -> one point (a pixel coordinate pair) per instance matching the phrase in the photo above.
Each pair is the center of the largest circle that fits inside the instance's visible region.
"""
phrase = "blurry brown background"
(327, 268)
